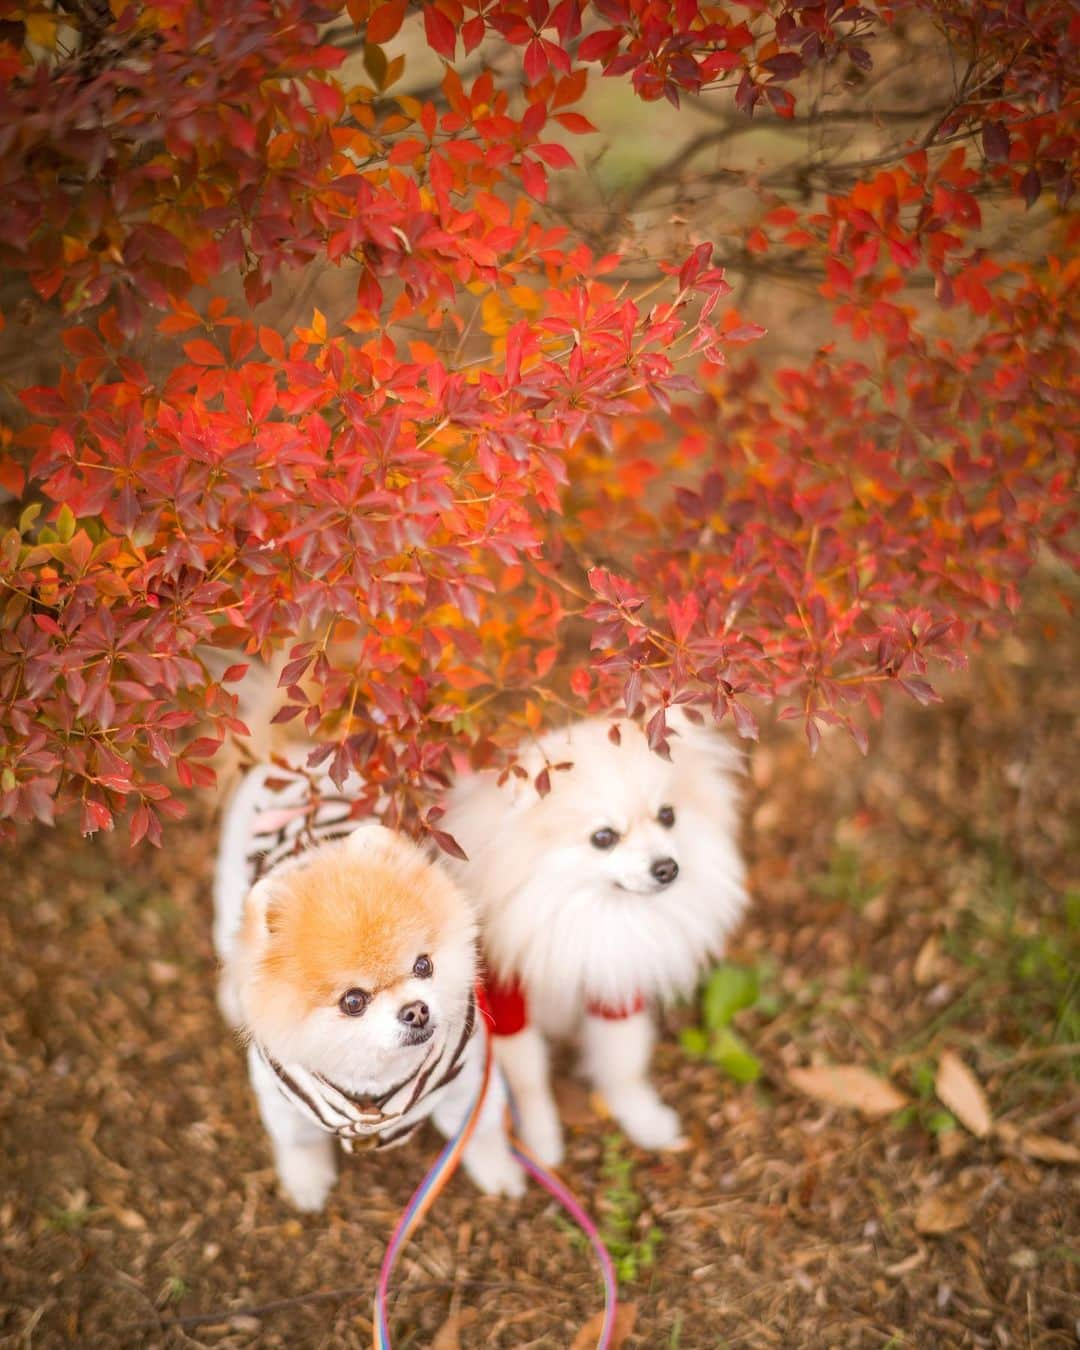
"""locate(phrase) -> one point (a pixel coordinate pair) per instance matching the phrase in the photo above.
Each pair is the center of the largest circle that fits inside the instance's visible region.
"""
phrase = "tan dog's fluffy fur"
(347, 925)
(328, 960)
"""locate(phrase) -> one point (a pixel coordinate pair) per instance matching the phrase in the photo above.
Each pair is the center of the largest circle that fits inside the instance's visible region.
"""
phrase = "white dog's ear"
(521, 793)
(706, 741)
(520, 788)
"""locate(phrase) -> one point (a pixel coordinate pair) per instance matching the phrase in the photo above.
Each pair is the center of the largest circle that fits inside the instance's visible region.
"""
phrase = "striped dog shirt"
(287, 813)
(378, 1121)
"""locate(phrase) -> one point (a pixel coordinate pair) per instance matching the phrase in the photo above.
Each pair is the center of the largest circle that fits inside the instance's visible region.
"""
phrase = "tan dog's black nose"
(415, 1015)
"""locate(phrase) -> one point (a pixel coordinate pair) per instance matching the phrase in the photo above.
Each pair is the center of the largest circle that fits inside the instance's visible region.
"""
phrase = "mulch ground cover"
(910, 906)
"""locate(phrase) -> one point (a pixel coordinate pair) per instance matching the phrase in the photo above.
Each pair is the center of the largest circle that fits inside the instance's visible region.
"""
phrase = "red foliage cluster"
(494, 494)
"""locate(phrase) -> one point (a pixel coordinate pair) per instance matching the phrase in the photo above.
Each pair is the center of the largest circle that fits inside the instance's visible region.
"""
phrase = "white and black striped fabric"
(294, 812)
(381, 1121)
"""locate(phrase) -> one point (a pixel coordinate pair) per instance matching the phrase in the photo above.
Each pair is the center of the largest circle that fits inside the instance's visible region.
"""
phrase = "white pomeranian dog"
(604, 896)
(349, 962)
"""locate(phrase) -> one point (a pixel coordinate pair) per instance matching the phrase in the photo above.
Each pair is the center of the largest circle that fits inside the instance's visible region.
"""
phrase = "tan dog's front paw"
(495, 1171)
(306, 1173)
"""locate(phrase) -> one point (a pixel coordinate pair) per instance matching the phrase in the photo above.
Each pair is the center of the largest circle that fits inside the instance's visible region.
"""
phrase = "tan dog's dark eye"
(666, 816)
(422, 968)
(354, 1001)
(604, 838)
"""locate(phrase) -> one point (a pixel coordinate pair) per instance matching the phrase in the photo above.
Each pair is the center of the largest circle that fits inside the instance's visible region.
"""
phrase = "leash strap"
(440, 1172)
(425, 1195)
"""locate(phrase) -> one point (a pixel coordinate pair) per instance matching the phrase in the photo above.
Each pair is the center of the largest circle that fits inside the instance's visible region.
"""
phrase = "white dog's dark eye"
(422, 968)
(353, 1002)
(604, 838)
(666, 816)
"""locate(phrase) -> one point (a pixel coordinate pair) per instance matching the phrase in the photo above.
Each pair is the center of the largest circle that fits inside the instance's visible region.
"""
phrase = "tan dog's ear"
(260, 909)
(369, 834)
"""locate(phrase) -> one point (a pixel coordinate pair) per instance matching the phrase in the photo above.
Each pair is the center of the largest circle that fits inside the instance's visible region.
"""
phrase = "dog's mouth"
(647, 889)
(417, 1035)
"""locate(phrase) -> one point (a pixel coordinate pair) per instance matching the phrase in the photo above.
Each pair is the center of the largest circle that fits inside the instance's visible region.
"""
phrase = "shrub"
(518, 478)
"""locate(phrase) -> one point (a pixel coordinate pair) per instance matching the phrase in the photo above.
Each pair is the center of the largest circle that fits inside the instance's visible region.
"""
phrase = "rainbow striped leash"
(440, 1172)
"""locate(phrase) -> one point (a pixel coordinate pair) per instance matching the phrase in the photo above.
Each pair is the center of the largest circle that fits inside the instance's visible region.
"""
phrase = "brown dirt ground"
(904, 905)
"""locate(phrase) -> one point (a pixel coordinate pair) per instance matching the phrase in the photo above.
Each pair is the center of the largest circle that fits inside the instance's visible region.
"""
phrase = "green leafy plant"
(72, 1218)
(1024, 942)
(845, 880)
(926, 1112)
(174, 1289)
(631, 1252)
(728, 990)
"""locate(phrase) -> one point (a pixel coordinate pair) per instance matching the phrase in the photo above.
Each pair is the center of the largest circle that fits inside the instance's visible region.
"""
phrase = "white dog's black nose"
(414, 1015)
(665, 870)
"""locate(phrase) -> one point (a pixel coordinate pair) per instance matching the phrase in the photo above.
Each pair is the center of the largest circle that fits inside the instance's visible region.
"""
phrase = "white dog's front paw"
(307, 1172)
(541, 1129)
(494, 1170)
(646, 1120)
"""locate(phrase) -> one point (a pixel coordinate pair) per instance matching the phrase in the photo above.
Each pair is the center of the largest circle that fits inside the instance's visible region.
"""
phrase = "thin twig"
(315, 1296)
(1065, 1051)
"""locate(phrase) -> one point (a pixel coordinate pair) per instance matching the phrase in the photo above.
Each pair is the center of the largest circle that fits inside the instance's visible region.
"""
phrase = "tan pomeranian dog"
(349, 963)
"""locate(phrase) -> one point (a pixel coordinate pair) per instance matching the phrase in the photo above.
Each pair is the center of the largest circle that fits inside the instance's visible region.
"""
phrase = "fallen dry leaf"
(575, 1103)
(1043, 1147)
(1048, 1149)
(909, 1263)
(245, 1322)
(163, 972)
(447, 1337)
(849, 1085)
(951, 1143)
(941, 1213)
(925, 969)
(127, 1218)
(589, 1335)
(959, 1090)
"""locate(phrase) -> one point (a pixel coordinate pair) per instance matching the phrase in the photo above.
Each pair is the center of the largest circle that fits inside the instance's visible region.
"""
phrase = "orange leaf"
(848, 1085)
(960, 1091)
(386, 21)
(625, 1317)
(203, 353)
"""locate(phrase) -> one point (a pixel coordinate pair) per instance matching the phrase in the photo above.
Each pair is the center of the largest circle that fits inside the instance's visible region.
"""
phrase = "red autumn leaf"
(575, 123)
(601, 45)
(203, 353)
(535, 61)
(448, 844)
(682, 615)
(784, 66)
(534, 179)
(580, 682)
(386, 20)
(440, 32)
(472, 33)
(995, 140)
(328, 99)
(419, 483)
(557, 156)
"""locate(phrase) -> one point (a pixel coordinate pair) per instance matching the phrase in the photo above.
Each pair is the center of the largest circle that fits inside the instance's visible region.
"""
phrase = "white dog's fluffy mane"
(575, 922)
